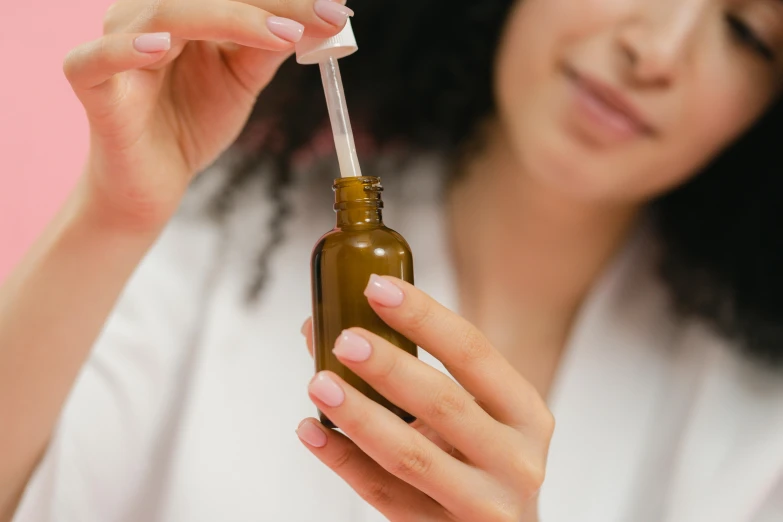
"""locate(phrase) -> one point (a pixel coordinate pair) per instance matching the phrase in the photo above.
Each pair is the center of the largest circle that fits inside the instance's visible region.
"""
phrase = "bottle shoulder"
(375, 232)
(363, 238)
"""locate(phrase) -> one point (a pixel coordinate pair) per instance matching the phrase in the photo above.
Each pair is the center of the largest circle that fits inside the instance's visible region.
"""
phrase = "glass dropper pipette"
(326, 53)
(341, 122)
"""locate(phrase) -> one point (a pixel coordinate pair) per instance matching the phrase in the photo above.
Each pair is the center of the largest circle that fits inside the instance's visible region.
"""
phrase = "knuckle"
(285, 6)
(419, 317)
(75, 59)
(473, 347)
(235, 14)
(110, 18)
(411, 462)
(343, 459)
(528, 476)
(70, 64)
(376, 491)
(354, 425)
(548, 423)
(540, 417)
(535, 481)
(497, 510)
(519, 466)
(389, 367)
(448, 403)
(155, 14)
(278, 5)
(100, 48)
(121, 13)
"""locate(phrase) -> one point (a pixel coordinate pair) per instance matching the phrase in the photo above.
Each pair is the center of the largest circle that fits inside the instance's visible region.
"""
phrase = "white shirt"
(186, 410)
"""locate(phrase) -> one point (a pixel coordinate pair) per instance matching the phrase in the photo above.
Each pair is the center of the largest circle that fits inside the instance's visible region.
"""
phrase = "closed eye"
(745, 35)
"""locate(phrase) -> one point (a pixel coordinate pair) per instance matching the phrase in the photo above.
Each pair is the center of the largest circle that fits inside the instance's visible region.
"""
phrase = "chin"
(572, 172)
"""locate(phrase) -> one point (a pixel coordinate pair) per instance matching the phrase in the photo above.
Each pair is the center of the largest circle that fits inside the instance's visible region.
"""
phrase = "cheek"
(540, 33)
(721, 106)
(530, 38)
(528, 60)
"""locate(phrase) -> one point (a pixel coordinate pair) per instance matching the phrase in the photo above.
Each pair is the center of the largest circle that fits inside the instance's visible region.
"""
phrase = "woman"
(596, 141)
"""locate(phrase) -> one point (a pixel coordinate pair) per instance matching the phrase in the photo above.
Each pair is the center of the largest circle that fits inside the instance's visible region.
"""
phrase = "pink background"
(43, 133)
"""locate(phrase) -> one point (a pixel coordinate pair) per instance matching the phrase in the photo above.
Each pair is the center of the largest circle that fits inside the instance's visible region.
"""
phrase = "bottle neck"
(358, 202)
(359, 217)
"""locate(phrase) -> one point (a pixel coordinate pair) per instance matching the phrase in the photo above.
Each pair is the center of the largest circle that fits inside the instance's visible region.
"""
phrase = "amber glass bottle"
(343, 260)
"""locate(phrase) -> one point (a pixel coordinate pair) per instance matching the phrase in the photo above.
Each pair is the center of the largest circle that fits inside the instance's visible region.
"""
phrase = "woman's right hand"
(169, 87)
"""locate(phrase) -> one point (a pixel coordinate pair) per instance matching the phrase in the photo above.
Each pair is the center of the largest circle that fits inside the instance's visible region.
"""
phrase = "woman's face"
(622, 99)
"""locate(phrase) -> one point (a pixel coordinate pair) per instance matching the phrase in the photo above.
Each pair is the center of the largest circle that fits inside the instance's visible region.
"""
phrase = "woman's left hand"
(476, 453)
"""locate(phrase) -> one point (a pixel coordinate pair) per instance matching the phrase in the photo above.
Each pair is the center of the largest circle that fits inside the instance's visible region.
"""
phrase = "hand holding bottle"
(169, 87)
(476, 453)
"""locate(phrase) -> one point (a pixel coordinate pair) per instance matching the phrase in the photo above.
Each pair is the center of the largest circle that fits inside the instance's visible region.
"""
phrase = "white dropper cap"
(310, 51)
(326, 52)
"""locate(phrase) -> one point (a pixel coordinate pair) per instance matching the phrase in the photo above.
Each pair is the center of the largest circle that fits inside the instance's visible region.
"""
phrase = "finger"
(393, 444)
(307, 331)
(391, 496)
(444, 406)
(429, 395)
(322, 18)
(120, 13)
(230, 21)
(254, 68)
(93, 64)
(436, 439)
(465, 352)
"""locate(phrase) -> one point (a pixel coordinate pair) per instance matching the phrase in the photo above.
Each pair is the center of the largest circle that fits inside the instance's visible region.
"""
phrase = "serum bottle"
(359, 245)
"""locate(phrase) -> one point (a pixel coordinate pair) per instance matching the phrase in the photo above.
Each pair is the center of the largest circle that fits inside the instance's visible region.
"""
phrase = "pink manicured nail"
(152, 42)
(384, 292)
(352, 347)
(332, 12)
(311, 434)
(327, 391)
(289, 30)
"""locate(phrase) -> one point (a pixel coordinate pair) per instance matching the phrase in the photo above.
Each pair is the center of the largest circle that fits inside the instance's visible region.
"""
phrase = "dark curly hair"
(425, 83)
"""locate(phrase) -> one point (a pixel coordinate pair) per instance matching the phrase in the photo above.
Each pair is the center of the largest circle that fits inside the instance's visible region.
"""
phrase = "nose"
(660, 37)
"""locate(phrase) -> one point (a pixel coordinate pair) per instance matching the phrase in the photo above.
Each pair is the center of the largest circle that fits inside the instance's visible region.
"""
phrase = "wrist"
(120, 212)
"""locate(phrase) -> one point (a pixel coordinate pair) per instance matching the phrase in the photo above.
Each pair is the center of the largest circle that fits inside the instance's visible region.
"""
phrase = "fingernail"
(327, 391)
(384, 292)
(311, 434)
(152, 42)
(289, 30)
(332, 12)
(352, 347)
(305, 329)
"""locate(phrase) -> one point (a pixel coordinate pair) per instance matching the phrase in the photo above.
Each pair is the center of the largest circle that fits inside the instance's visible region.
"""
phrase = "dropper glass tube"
(341, 123)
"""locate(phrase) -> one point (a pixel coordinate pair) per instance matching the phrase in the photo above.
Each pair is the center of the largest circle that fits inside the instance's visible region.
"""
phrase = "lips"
(608, 108)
